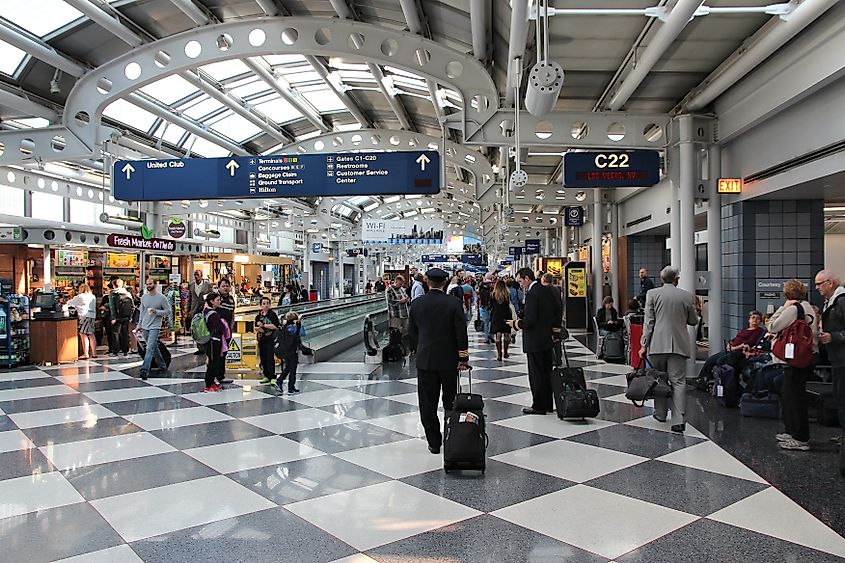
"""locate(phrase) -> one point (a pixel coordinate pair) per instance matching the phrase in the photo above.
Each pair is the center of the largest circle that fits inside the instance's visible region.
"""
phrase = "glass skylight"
(171, 133)
(203, 108)
(208, 149)
(279, 110)
(170, 89)
(39, 17)
(236, 127)
(283, 59)
(225, 69)
(323, 99)
(130, 114)
(249, 89)
(10, 58)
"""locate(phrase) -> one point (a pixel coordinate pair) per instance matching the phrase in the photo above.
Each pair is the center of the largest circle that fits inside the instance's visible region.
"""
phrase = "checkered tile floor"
(97, 465)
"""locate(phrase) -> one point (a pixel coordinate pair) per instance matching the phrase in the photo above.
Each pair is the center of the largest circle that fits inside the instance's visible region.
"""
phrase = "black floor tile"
(490, 389)
(79, 431)
(80, 370)
(123, 383)
(307, 478)
(208, 434)
(638, 441)
(498, 410)
(131, 475)
(504, 439)
(140, 406)
(501, 485)
(484, 374)
(255, 407)
(614, 411)
(371, 408)
(6, 423)
(25, 383)
(343, 437)
(484, 538)
(57, 533)
(183, 388)
(706, 540)
(20, 463)
(44, 403)
(270, 535)
(689, 490)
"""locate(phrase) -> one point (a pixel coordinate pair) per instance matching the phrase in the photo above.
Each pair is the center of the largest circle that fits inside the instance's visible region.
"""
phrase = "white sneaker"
(795, 445)
(783, 437)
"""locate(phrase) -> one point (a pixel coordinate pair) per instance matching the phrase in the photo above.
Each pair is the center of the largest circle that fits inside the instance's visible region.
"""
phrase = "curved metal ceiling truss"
(393, 140)
(82, 131)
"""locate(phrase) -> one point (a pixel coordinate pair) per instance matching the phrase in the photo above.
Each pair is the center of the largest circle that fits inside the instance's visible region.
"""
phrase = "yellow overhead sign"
(730, 185)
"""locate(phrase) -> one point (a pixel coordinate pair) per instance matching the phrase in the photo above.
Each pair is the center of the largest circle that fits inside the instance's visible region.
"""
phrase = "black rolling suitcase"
(465, 433)
(165, 353)
(569, 387)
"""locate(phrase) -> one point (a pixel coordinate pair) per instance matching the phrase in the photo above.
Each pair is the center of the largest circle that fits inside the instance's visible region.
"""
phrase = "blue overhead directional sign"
(334, 174)
(573, 216)
(611, 169)
(532, 246)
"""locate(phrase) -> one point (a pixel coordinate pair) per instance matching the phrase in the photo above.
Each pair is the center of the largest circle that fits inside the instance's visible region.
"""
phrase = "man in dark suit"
(438, 325)
(541, 324)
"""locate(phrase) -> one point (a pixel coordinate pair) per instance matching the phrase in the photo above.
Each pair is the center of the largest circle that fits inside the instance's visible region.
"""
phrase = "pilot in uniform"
(438, 324)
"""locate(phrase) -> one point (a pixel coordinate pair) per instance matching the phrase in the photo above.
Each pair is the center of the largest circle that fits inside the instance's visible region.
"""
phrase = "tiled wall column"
(772, 239)
(644, 251)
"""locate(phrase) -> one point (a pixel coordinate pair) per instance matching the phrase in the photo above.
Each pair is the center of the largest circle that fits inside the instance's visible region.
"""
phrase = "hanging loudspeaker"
(544, 84)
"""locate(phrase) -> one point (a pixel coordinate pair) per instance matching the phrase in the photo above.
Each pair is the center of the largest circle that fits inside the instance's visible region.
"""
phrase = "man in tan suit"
(666, 340)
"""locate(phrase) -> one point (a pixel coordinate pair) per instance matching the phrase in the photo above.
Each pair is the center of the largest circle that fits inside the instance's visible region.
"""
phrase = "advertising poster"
(576, 285)
(454, 243)
(554, 267)
(122, 260)
(401, 231)
(160, 262)
(72, 258)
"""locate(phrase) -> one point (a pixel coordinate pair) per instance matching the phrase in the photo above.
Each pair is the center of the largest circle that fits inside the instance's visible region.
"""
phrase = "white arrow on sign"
(232, 166)
(128, 169)
(422, 160)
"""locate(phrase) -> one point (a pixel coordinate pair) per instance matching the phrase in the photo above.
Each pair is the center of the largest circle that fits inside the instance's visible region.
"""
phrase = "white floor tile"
(129, 394)
(406, 398)
(327, 397)
(525, 399)
(408, 424)
(36, 392)
(86, 413)
(621, 524)
(615, 380)
(654, 424)
(570, 460)
(249, 454)
(621, 398)
(519, 380)
(551, 425)
(170, 380)
(27, 374)
(178, 506)
(160, 420)
(521, 368)
(380, 514)
(357, 558)
(620, 369)
(74, 455)
(346, 383)
(710, 457)
(122, 553)
(772, 513)
(226, 396)
(92, 377)
(352, 368)
(14, 440)
(294, 421)
(23, 495)
(397, 459)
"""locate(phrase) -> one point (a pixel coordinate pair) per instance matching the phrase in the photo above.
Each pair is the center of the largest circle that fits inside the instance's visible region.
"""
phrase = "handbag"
(646, 383)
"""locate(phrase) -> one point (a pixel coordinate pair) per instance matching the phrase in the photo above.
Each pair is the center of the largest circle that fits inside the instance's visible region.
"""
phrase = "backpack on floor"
(394, 351)
(613, 347)
(726, 387)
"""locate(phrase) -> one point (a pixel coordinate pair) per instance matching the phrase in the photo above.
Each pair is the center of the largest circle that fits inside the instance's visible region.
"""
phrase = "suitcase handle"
(468, 371)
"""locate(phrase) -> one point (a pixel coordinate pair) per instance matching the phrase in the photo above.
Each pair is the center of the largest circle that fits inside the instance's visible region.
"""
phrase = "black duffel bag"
(646, 383)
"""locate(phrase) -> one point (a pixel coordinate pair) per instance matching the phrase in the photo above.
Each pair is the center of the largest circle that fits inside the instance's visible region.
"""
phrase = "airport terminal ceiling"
(213, 78)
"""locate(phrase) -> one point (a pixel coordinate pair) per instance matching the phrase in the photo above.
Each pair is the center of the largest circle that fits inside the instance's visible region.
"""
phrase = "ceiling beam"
(415, 25)
(19, 102)
(192, 11)
(39, 50)
(516, 46)
(107, 22)
(480, 22)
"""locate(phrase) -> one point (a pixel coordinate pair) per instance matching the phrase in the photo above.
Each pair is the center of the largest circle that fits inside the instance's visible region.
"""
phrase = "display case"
(14, 330)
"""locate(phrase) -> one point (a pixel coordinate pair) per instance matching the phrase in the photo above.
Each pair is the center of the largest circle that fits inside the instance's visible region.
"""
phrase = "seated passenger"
(608, 317)
(742, 343)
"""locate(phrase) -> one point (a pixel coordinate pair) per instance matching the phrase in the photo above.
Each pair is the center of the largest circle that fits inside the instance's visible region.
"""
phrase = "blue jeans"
(151, 338)
(485, 319)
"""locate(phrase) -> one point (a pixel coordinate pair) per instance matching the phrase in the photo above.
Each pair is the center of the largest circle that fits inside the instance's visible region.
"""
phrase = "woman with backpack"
(796, 344)
(287, 349)
(501, 311)
(217, 345)
(266, 324)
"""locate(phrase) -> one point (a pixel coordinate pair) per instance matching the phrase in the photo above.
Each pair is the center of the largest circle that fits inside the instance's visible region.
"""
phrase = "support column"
(614, 257)
(306, 261)
(564, 241)
(685, 256)
(596, 256)
(714, 250)
(48, 268)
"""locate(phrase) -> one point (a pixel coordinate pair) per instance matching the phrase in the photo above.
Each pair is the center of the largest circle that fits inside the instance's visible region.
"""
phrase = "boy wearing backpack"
(287, 349)
(121, 308)
(797, 329)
